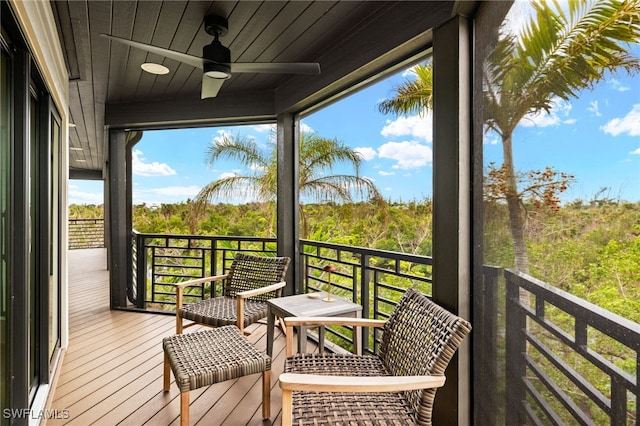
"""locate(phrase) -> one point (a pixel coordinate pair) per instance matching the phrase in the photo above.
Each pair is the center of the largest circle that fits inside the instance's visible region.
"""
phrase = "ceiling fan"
(216, 59)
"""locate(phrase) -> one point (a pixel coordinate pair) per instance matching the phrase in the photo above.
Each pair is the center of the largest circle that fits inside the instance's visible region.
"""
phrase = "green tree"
(557, 55)
(318, 157)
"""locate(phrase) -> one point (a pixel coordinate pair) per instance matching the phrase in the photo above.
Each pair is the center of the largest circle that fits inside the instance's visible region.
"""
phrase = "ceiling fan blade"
(277, 68)
(194, 61)
(210, 87)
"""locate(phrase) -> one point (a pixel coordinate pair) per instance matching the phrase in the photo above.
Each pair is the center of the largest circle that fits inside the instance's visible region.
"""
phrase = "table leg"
(321, 339)
(302, 339)
(270, 327)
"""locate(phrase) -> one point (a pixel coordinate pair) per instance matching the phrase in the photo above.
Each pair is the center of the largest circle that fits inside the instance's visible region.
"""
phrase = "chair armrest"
(290, 322)
(197, 281)
(318, 321)
(262, 290)
(182, 285)
(250, 293)
(325, 383)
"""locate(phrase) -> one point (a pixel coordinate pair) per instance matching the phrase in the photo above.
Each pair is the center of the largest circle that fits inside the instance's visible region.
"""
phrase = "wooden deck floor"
(112, 371)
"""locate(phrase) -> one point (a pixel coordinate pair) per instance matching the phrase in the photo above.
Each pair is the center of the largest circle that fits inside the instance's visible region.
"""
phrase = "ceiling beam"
(227, 109)
(84, 174)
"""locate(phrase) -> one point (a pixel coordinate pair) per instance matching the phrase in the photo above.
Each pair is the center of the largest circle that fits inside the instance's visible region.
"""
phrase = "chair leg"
(266, 394)
(178, 324)
(240, 314)
(179, 303)
(167, 376)
(184, 409)
(287, 407)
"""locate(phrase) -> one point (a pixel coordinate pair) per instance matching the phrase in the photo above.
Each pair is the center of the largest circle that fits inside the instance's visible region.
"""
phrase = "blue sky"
(595, 137)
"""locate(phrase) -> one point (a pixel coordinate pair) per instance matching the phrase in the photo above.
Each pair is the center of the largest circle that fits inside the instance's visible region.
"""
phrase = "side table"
(311, 305)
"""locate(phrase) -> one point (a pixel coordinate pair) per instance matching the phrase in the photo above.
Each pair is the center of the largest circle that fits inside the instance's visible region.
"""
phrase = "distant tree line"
(590, 249)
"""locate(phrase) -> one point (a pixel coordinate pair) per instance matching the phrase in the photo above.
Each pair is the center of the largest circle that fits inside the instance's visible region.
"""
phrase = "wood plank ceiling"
(351, 40)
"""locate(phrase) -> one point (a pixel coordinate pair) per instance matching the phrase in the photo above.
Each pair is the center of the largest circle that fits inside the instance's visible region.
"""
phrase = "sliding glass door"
(30, 179)
(53, 254)
(5, 133)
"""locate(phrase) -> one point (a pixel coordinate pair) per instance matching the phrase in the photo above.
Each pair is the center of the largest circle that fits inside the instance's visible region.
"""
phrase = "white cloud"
(257, 168)
(140, 168)
(629, 124)
(262, 128)
(221, 134)
(225, 175)
(384, 173)
(409, 72)
(491, 139)
(416, 126)
(366, 152)
(616, 85)
(593, 108)
(559, 109)
(305, 128)
(636, 152)
(408, 154)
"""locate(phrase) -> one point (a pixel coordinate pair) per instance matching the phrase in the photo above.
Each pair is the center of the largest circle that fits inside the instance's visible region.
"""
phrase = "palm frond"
(557, 55)
(341, 188)
(238, 148)
(319, 155)
(249, 187)
(412, 96)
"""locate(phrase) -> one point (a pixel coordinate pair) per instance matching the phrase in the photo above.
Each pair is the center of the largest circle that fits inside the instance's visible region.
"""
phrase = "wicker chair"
(251, 281)
(395, 386)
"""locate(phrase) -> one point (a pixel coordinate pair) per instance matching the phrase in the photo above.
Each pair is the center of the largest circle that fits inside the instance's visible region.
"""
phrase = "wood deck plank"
(112, 371)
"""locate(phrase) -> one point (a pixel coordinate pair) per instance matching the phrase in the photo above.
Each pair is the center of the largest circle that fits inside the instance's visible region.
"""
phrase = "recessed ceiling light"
(72, 125)
(152, 68)
(73, 148)
(81, 161)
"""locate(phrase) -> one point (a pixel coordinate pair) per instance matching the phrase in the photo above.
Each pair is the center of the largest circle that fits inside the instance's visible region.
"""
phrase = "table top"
(302, 305)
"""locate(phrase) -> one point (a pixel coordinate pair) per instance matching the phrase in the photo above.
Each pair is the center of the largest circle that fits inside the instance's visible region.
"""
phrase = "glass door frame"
(34, 170)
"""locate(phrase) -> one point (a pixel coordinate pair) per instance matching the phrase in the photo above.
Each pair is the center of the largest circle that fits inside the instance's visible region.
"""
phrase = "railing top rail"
(574, 305)
(204, 237)
(408, 257)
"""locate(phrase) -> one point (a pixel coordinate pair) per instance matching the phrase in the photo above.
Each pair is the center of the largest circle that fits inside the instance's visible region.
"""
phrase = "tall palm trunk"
(516, 213)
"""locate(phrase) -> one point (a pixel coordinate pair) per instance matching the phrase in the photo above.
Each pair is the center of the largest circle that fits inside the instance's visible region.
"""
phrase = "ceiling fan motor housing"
(216, 60)
(216, 57)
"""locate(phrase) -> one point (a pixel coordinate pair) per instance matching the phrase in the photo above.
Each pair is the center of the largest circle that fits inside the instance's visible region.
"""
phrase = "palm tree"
(318, 157)
(557, 55)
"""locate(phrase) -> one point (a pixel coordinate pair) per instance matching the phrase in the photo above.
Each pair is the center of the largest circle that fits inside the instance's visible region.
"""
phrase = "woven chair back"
(420, 338)
(249, 272)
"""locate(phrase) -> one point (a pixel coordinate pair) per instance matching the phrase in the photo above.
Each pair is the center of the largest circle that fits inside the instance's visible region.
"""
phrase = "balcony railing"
(373, 278)
(86, 233)
(567, 361)
(553, 341)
